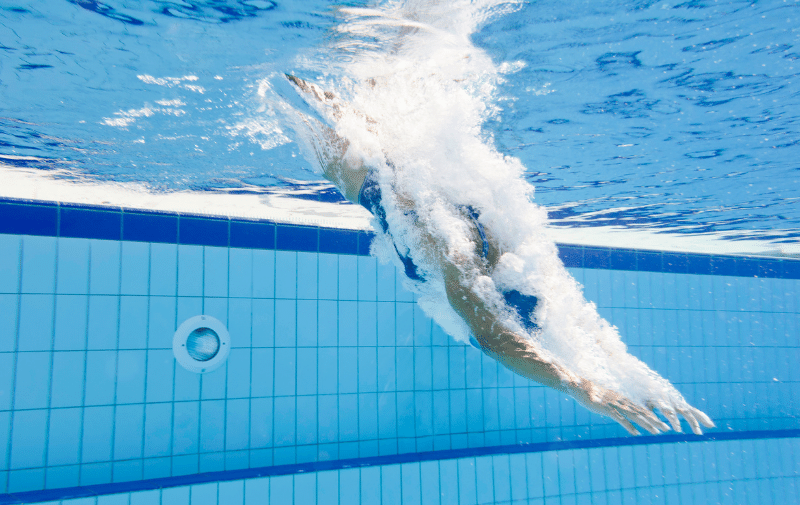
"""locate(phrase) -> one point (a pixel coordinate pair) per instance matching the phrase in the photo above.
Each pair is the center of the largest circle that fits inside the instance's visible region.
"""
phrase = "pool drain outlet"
(201, 344)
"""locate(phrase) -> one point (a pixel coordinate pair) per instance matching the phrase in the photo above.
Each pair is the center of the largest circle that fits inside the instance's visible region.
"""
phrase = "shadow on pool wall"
(333, 365)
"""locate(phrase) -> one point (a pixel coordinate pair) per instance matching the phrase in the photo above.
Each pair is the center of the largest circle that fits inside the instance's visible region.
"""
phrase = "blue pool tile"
(142, 226)
(104, 267)
(307, 421)
(327, 488)
(367, 278)
(675, 262)
(213, 384)
(135, 268)
(285, 274)
(307, 371)
(296, 238)
(386, 369)
(64, 476)
(68, 368)
(237, 416)
(285, 323)
(130, 376)
(212, 426)
(95, 473)
(727, 265)
(240, 273)
(367, 369)
(307, 275)
(28, 219)
(145, 497)
(35, 322)
(128, 432)
(238, 370)
(252, 234)
(371, 484)
(365, 240)
(348, 370)
(133, 319)
(386, 275)
(596, 257)
(391, 485)
(285, 371)
(25, 480)
(327, 410)
(263, 329)
(161, 326)
(328, 276)
(203, 231)
(27, 444)
(622, 259)
(185, 427)
(70, 322)
(768, 268)
(38, 264)
(307, 323)
(367, 324)
(348, 323)
(410, 476)
(335, 241)
(261, 421)
(98, 425)
(571, 255)
(699, 264)
(790, 269)
(32, 380)
(157, 430)
(6, 380)
(10, 249)
(231, 492)
(647, 261)
(349, 485)
(348, 278)
(84, 222)
(73, 266)
(100, 371)
(215, 271)
(163, 269)
(190, 270)
(285, 430)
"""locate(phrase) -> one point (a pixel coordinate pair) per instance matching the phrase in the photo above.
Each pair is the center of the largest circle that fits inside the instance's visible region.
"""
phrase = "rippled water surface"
(667, 116)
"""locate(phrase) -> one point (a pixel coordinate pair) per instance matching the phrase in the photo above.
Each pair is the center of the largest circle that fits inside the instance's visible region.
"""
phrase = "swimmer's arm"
(517, 354)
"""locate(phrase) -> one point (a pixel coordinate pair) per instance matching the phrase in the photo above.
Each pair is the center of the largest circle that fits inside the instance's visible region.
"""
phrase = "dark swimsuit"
(370, 198)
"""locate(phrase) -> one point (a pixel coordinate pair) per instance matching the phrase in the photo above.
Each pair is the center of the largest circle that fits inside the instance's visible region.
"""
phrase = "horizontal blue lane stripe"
(22, 217)
(250, 473)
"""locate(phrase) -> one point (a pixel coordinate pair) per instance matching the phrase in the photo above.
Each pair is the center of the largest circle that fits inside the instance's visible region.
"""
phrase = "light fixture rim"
(182, 334)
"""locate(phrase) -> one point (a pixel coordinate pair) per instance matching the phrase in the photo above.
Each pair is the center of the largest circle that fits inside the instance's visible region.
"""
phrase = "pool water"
(154, 170)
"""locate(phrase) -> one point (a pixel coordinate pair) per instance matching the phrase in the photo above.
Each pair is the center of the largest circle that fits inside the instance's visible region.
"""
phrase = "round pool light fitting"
(201, 344)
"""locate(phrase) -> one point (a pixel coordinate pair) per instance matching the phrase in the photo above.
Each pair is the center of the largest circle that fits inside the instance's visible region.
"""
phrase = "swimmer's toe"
(704, 419)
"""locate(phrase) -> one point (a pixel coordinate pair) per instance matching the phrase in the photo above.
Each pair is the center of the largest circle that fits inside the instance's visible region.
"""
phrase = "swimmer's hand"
(626, 412)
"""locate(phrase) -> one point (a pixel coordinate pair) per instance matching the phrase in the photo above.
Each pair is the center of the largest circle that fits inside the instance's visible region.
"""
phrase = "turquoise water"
(675, 120)
(675, 117)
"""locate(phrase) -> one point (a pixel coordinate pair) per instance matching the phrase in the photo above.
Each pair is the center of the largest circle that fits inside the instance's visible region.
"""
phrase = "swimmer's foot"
(310, 89)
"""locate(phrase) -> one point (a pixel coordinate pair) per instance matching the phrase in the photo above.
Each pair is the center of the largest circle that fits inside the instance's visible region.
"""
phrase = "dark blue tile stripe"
(22, 217)
(249, 473)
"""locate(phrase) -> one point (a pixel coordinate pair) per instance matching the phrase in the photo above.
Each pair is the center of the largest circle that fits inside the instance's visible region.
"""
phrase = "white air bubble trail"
(413, 94)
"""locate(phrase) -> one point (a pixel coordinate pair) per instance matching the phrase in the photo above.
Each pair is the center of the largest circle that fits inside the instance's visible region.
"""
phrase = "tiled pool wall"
(332, 359)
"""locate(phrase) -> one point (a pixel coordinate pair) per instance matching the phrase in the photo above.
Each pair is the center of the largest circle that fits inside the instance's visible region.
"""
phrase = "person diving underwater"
(503, 323)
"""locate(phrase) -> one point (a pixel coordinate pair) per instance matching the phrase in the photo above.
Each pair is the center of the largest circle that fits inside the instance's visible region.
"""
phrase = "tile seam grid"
(312, 395)
(222, 476)
(121, 211)
(674, 309)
